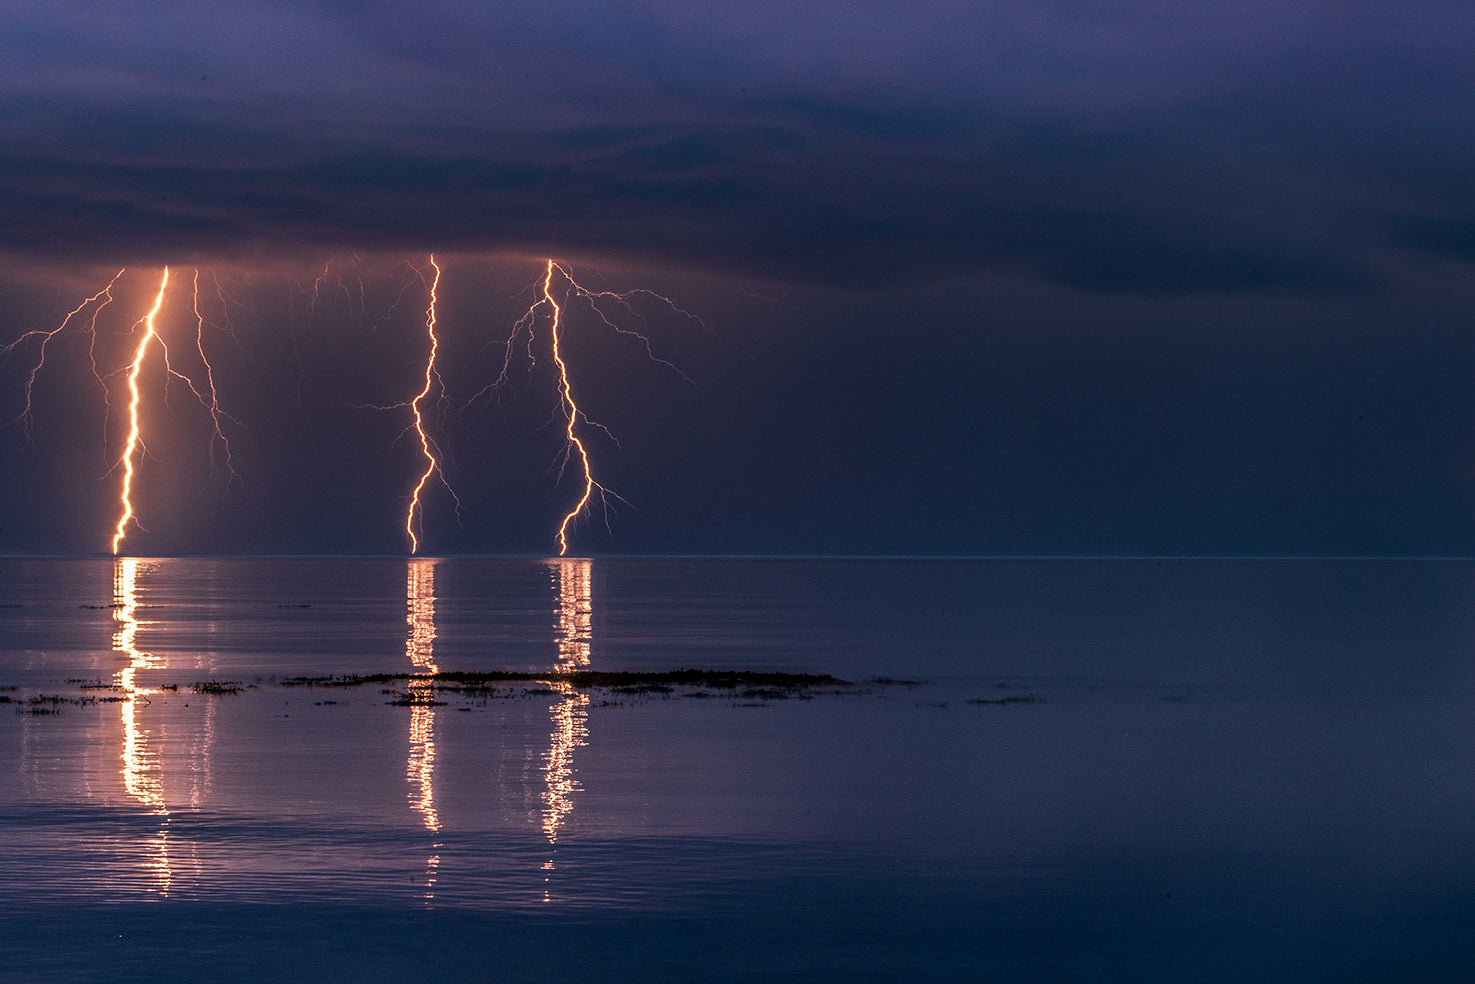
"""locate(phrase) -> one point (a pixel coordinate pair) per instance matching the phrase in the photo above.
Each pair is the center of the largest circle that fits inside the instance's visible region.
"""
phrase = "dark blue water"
(1185, 771)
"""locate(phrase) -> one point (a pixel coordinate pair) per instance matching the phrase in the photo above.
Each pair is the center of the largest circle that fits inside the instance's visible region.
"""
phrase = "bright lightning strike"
(432, 381)
(131, 448)
(430, 450)
(207, 394)
(573, 416)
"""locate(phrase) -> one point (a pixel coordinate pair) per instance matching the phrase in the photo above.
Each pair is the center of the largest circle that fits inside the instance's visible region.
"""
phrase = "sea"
(309, 769)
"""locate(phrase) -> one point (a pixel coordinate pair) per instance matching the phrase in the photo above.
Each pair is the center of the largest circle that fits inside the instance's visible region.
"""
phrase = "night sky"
(974, 278)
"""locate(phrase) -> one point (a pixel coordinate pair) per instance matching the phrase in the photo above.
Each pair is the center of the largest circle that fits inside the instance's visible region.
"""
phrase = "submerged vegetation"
(1014, 699)
(741, 688)
(218, 687)
(51, 704)
(625, 680)
(421, 688)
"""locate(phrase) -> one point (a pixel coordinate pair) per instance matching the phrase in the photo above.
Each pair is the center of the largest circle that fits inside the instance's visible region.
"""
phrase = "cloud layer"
(1157, 147)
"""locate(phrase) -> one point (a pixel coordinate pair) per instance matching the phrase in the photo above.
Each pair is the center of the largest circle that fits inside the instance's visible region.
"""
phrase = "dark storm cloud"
(1150, 147)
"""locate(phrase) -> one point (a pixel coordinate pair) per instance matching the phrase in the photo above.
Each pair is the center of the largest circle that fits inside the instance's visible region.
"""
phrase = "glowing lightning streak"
(427, 446)
(573, 416)
(133, 432)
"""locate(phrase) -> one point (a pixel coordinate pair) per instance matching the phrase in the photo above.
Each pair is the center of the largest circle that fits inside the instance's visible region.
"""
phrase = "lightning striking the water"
(150, 333)
(427, 445)
(573, 416)
(208, 395)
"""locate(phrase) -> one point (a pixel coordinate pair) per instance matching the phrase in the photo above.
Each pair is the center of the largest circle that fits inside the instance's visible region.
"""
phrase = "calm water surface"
(1226, 771)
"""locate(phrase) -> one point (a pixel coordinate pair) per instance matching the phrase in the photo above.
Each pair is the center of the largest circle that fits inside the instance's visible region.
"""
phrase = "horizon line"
(1451, 558)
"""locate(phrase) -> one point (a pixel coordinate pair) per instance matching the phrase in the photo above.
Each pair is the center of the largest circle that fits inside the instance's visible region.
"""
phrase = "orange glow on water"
(420, 649)
(570, 716)
(140, 760)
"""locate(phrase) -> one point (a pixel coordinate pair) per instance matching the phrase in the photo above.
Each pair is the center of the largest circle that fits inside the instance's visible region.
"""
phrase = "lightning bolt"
(430, 450)
(25, 416)
(574, 444)
(573, 416)
(207, 395)
(126, 497)
(427, 446)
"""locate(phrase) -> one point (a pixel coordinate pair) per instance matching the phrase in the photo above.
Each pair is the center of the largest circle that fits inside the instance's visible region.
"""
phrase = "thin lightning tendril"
(226, 326)
(216, 413)
(312, 294)
(211, 402)
(388, 312)
(107, 402)
(133, 433)
(504, 378)
(623, 300)
(25, 417)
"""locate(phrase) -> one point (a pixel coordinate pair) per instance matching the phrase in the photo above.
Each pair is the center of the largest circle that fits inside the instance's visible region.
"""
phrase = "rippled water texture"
(1098, 770)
